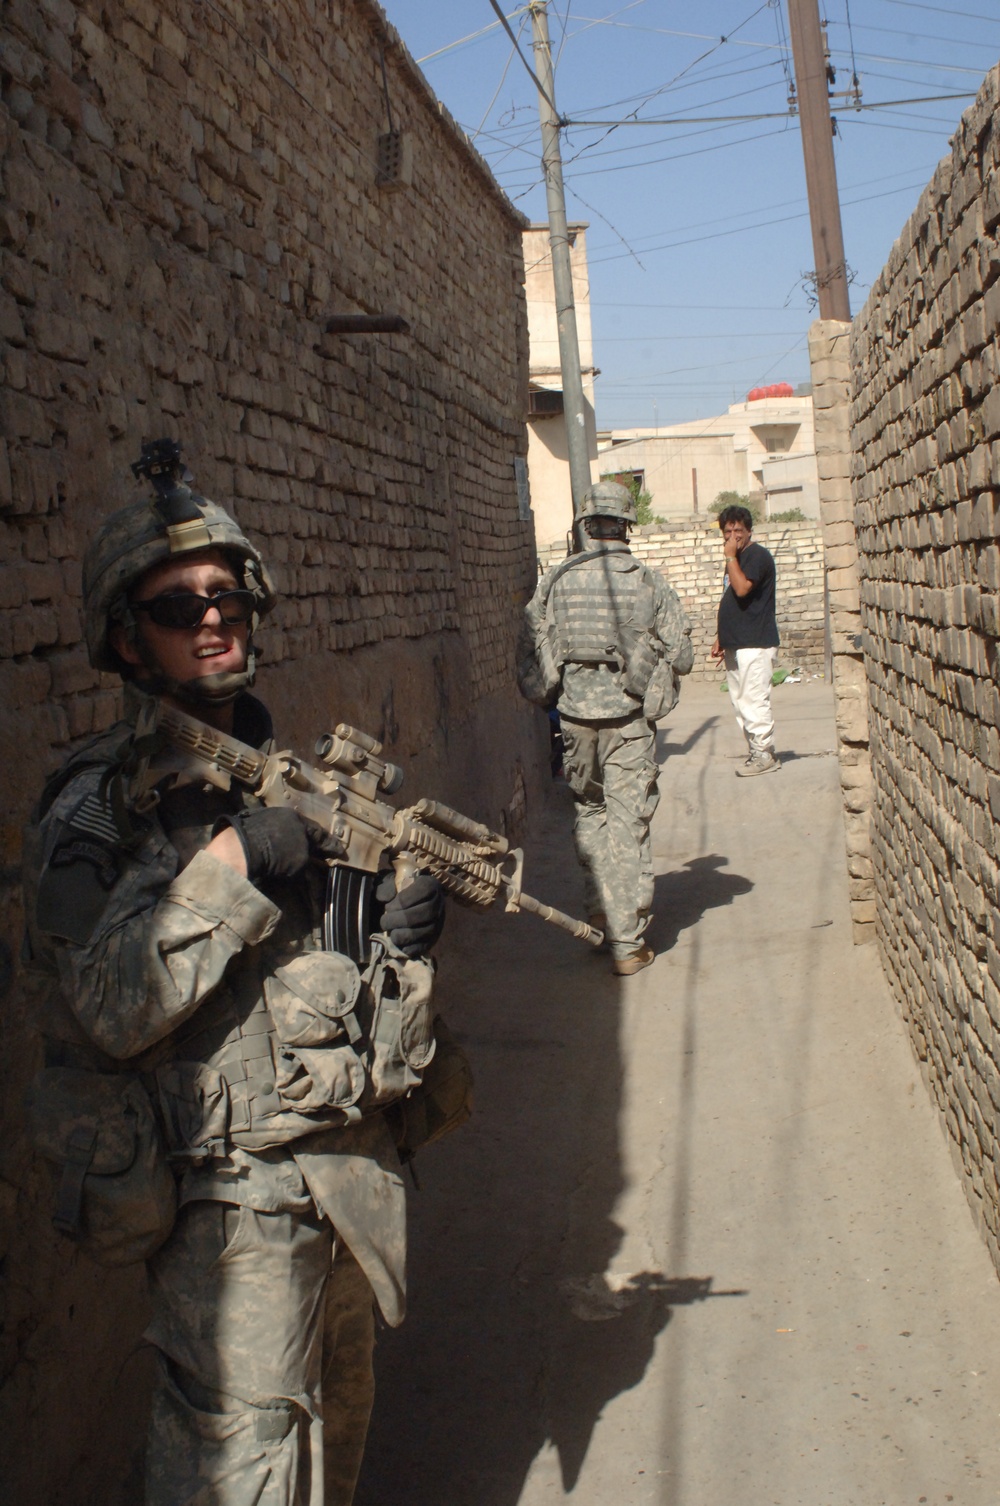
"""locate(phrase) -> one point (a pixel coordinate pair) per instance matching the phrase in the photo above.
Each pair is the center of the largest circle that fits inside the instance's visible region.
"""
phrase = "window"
(544, 402)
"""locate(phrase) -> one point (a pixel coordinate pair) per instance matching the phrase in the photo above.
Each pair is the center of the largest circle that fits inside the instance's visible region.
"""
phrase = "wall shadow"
(681, 898)
(517, 1337)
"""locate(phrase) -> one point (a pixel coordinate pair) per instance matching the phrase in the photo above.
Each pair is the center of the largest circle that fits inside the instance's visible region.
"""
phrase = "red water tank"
(776, 389)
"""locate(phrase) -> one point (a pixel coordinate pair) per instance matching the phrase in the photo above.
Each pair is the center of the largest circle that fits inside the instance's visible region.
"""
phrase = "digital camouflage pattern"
(133, 540)
(611, 771)
(170, 960)
(609, 499)
(275, 1379)
(612, 622)
(608, 599)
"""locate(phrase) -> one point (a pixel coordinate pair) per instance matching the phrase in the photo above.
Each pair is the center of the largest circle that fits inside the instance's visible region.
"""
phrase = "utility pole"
(809, 55)
(574, 409)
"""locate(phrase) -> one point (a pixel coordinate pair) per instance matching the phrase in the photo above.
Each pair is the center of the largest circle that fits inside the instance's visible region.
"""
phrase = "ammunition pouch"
(441, 1103)
(116, 1197)
(325, 1045)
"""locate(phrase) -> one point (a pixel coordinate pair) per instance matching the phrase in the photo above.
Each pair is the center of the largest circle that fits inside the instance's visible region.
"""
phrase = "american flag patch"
(93, 817)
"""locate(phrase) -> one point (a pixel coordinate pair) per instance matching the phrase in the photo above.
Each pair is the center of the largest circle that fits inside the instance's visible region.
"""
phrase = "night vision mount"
(178, 506)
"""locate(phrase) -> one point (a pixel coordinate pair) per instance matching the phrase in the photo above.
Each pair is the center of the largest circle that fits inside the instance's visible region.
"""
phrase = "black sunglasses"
(185, 610)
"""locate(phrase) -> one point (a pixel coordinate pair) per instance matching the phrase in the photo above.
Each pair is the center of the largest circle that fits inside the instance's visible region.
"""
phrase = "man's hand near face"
(736, 537)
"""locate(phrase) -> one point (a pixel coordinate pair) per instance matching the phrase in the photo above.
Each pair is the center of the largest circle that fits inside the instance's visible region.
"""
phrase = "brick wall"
(926, 432)
(689, 554)
(188, 192)
(830, 369)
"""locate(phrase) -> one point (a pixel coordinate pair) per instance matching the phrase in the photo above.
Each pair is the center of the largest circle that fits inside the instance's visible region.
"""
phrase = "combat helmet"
(172, 522)
(609, 499)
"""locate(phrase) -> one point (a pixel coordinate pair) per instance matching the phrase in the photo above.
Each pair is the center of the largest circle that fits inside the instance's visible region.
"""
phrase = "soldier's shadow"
(681, 898)
(518, 1334)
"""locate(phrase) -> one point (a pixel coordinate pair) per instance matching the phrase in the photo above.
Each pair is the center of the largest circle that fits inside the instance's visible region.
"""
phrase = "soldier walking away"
(747, 637)
(207, 1088)
(605, 640)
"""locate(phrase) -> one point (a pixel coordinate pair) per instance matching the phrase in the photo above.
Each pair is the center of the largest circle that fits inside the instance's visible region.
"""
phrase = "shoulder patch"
(93, 818)
(81, 870)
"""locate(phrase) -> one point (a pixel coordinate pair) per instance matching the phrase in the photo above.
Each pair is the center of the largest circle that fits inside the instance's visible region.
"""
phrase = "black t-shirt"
(749, 621)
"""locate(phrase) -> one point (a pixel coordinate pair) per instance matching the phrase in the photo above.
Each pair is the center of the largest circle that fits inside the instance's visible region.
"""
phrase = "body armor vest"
(604, 611)
(294, 1040)
(320, 1047)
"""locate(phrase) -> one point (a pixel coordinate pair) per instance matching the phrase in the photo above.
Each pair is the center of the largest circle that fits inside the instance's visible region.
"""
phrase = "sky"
(698, 236)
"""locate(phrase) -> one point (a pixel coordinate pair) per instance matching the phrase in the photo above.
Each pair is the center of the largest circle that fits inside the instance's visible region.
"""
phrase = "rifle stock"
(474, 865)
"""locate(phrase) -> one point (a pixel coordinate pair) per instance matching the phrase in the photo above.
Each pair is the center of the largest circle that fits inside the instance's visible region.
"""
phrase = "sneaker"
(758, 763)
(626, 966)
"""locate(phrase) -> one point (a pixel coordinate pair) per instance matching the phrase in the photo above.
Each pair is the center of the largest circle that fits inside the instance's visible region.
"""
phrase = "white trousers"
(748, 676)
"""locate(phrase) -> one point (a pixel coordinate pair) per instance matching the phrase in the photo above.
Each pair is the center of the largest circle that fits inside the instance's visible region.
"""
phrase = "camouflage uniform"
(613, 620)
(169, 960)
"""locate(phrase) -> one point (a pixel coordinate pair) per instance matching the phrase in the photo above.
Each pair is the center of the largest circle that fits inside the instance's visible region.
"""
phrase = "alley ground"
(703, 1243)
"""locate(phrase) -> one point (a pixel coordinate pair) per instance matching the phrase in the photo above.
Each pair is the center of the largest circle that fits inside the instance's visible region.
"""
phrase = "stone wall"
(188, 192)
(689, 554)
(830, 368)
(926, 431)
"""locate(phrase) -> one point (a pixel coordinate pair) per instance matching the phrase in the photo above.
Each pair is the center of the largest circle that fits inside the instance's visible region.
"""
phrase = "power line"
(700, 151)
(531, 72)
(750, 334)
(745, 229)
(506, 66)
(472, 37)
(883, 104)
(920, 36)
(945, 10)
(798, 203)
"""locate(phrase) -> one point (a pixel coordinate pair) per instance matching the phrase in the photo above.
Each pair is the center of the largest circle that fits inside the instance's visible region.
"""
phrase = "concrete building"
(548, 459)
(764, 448)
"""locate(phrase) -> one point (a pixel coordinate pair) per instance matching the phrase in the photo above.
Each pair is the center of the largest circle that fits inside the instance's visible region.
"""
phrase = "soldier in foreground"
(605, 640)
(194, 1005)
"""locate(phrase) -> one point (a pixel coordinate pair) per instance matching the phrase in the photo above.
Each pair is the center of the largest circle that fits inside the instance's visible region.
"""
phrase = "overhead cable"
(884, 104)
(946, 10)
(538, 84)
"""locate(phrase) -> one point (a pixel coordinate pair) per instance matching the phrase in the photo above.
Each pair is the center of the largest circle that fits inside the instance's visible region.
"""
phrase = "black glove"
(413, 918)
(277, 842)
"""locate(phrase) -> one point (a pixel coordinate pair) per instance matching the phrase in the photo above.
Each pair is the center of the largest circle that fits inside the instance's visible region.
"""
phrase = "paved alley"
(702, 1243)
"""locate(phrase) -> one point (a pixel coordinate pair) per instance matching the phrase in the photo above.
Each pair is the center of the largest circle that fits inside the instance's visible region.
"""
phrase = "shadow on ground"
(517, 1336)
(681, 898)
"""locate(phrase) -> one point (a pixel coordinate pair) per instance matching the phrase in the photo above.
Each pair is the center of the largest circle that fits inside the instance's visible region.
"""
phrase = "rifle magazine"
(348, 916)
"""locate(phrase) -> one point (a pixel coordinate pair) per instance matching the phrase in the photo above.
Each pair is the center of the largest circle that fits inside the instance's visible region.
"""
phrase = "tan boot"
(626, 966)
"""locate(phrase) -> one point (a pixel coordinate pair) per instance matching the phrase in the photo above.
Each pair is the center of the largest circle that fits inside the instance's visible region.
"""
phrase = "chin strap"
(207, 690)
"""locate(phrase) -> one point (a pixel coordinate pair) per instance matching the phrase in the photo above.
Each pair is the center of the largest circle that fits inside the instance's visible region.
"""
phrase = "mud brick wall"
(188, 191)
(830, 368)
(926, 434)
(689, 554)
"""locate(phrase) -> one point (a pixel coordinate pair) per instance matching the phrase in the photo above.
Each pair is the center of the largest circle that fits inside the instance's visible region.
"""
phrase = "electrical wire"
(517, 46)
(919, 36)
(647, 377)
(745, 229)
(785, 47)
(472, 37)
(563, 22)
(799, 203)
(510, 58)
(946, 10)
(855, 81)
(678, 156)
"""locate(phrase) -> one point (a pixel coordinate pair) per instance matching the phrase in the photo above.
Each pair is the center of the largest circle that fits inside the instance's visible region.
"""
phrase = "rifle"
(473, 864)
